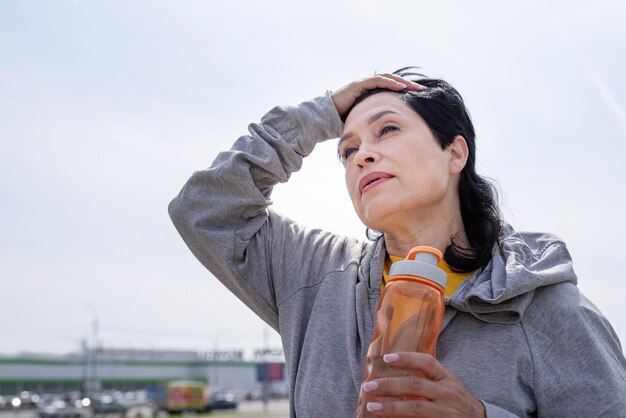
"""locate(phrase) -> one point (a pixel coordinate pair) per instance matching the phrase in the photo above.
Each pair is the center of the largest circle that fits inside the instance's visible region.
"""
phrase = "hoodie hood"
(520, 263)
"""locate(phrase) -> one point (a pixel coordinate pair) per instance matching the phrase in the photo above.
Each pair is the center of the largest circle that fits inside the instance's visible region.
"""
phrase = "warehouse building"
(132, 369)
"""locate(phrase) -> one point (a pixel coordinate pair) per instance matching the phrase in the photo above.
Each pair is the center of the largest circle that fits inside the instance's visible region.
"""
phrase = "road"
(247, 409)
(254, 409)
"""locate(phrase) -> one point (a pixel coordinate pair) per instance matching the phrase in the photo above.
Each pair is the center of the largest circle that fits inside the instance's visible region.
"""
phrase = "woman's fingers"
(386, 81)
(419, 362)
(410, 85)
(345, 96)
(425, 408)
(415, 386)
(413, 408)
(425, 373)
(430, 390)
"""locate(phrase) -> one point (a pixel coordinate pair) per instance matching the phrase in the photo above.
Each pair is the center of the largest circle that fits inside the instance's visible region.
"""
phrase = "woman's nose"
(366, 156)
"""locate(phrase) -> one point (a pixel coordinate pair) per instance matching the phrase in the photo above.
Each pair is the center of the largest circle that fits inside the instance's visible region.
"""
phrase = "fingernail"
(390, 358)
(370, 386)
(374, 406)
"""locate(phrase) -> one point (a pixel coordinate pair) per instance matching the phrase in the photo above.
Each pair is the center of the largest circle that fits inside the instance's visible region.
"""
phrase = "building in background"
(131, 369)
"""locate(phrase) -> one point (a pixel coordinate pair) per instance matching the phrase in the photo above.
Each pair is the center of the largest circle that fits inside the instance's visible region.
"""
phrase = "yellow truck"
(181, 396)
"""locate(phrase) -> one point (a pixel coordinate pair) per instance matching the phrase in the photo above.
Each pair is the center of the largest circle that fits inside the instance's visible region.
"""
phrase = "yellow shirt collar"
(454, 279)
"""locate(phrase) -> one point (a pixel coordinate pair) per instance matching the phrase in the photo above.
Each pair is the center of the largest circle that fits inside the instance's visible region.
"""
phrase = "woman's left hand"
(442, 394)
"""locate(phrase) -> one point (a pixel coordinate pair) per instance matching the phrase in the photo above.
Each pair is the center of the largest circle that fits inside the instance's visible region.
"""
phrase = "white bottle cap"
(421, 262)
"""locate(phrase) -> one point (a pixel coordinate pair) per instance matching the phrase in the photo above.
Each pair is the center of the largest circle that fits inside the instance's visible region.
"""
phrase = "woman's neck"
(438, 234)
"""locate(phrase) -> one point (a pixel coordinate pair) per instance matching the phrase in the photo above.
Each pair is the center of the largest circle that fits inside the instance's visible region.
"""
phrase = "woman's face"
(396, 172)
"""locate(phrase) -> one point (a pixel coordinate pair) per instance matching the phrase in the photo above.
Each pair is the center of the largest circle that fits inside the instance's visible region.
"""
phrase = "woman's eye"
(348, 152)
(388, 128)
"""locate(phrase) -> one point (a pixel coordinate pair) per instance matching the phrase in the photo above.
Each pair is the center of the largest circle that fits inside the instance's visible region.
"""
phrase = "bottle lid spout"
(430, 255)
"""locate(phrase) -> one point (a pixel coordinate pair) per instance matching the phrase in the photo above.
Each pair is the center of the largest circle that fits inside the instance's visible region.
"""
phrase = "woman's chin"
(377, 218)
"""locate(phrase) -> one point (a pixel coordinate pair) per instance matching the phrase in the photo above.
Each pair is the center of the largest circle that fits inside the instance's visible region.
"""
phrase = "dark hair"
(444, 111)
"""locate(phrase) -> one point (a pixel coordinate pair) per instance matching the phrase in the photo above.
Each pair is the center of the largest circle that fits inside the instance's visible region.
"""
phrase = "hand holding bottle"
(403, 376)
(435, 392)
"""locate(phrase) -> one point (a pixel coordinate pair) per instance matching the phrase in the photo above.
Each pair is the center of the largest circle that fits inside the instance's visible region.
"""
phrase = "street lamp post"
(92, 359)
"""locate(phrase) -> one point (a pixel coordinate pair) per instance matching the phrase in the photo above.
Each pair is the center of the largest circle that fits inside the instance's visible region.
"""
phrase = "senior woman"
(518, 338)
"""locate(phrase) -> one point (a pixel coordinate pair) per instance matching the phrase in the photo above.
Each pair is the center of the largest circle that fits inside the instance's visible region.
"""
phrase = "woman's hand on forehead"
(345, 97)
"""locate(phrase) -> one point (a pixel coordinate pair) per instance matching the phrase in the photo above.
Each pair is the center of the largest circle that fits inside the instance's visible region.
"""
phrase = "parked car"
(60, 406)
(254, 394)
(107, 404)
(223, 400)
(14, 401)
(28, 399)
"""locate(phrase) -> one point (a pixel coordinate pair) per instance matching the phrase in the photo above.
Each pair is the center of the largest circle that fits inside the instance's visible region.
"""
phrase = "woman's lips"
(372, 180)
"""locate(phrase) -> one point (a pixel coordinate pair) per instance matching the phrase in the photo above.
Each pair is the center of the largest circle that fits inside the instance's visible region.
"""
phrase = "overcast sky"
(107, 107)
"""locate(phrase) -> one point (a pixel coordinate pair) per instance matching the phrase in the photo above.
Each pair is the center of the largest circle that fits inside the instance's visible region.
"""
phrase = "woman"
(518, 338)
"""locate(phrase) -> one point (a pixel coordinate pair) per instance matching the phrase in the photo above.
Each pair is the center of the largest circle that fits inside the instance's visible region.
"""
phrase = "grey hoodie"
(518, 334)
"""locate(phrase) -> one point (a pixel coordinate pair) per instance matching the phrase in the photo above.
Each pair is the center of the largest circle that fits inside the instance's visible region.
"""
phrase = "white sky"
(106, 108)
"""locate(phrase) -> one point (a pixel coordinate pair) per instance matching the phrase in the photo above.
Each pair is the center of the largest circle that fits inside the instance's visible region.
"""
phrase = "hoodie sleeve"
(578, 363)
(222, 212)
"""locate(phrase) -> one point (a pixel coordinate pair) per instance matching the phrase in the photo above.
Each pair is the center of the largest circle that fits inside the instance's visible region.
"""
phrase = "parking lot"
(277, 408)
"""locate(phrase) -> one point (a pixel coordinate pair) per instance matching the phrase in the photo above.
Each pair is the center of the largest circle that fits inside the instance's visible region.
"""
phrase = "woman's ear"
(458, 154)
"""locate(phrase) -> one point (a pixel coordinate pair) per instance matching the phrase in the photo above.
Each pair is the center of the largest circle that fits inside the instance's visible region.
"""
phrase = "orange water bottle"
(408, 318)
